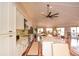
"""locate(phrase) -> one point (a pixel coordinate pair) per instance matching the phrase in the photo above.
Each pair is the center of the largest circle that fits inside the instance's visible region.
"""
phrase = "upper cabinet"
(4, 23)
(7, 18)
(19, 20)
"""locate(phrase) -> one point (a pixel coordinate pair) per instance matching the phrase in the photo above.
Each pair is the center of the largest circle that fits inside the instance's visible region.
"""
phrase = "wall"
(19, 21)
(21, 9)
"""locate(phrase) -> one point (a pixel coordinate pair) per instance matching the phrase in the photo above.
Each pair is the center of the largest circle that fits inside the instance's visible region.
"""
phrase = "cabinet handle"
(10, 31)
(10, 35)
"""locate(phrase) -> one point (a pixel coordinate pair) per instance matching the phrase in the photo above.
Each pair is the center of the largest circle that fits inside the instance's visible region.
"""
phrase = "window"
(74, 36)
(60, 31)
(40, 30)
(73, 32)
(49, 30)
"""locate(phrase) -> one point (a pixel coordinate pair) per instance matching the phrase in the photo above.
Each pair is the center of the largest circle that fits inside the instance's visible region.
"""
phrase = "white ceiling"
(68, 13)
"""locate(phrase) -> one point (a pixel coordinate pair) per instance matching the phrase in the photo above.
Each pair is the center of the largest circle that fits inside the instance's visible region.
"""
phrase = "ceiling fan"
(50, 14)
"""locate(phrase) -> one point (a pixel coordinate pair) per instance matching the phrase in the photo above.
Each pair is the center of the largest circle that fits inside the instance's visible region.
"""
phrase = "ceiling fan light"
(42, 13)
(50, 7)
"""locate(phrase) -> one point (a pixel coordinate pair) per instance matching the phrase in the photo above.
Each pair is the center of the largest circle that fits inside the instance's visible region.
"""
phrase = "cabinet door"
(12, 28)
(19, 20)
(47, 49)
(4, 45)
(4, 21)
(7, 28)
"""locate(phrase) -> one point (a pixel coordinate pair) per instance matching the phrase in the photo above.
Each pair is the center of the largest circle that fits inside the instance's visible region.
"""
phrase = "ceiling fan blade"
(56, 14)
(49, 14)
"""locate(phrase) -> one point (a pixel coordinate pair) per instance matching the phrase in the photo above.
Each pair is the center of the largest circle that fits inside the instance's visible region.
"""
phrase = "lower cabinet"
(47, 48)
(22, 45)
(55, 49)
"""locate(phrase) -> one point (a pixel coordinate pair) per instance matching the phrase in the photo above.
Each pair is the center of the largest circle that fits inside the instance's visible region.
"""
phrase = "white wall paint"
(19, 20)
(24, 13)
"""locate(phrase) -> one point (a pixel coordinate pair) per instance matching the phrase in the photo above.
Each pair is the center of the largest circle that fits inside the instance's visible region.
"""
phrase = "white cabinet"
(55, 49)
(61, 49)
(19, 20)
(7, 29)
(12, 27)
(47, 48)
(4, 45)
(21, 45)
(4, 21)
